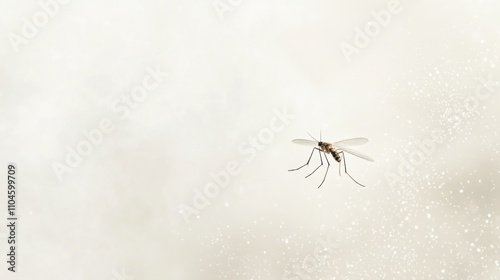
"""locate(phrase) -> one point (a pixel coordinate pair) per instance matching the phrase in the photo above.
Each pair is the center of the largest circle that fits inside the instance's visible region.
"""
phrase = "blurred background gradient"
(153, 138)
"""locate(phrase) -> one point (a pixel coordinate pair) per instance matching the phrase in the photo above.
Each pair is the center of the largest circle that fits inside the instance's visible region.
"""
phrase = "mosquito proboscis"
(336, 149)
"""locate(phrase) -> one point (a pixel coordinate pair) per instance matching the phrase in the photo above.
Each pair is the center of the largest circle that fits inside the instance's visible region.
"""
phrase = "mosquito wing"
(353, 152)
(351, 142)
(305, 142)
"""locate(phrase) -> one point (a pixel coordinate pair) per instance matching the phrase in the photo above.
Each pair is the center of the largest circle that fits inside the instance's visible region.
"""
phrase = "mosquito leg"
(327, 167)
(321, 159)
(307, 163)
(345, 169)
(340, 166)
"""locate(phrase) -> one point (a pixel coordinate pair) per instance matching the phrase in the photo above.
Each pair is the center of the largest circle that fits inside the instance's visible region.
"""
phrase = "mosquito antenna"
(313, 137)
(320, 135)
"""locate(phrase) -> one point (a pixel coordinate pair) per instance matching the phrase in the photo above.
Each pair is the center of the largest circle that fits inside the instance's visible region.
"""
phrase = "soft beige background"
(117, 214)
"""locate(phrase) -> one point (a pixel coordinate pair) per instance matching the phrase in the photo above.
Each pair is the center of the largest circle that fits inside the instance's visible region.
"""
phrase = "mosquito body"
(336, 149)
(328, 148)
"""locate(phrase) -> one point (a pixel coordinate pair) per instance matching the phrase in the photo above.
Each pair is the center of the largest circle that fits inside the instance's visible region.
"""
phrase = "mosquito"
(336, 149)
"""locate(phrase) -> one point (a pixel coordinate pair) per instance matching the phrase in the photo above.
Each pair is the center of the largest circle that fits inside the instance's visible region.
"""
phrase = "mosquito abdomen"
(335, 155)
